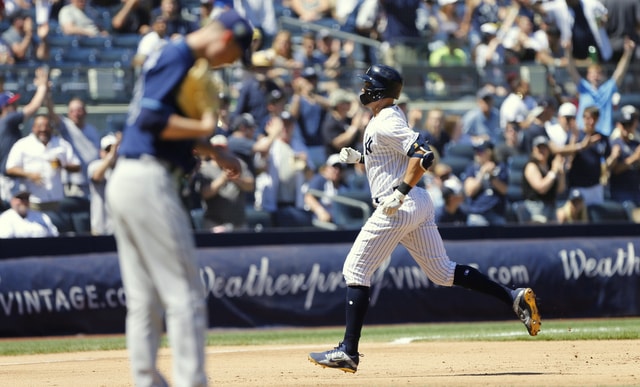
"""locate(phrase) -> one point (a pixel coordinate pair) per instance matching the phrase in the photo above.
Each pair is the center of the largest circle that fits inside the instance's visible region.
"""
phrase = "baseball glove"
(198, 91)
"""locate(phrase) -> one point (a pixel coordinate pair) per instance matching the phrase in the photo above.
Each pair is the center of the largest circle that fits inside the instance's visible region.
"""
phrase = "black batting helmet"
(381, 81)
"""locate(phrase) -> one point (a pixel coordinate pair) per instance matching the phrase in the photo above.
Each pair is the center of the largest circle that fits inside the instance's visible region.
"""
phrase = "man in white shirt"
(21, 222)
(559, 132)
(99, 172)
(38, 159)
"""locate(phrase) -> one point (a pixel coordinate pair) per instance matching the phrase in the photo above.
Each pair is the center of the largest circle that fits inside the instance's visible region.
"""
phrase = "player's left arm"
(420, 159)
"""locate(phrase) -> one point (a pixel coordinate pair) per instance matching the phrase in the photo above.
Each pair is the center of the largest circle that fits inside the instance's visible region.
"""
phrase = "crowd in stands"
(515, 157)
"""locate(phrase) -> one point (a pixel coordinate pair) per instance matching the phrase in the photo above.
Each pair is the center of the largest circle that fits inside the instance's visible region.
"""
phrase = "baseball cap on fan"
(242, 32)
(7, 98)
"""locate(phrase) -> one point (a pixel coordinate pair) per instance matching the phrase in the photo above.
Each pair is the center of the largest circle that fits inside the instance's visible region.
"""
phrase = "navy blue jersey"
(585, 167)
(487, 199)
(154, 100)
(625, 185)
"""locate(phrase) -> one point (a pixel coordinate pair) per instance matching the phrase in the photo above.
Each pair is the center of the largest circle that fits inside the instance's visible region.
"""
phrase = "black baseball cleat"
(525, 307)
(336, 358)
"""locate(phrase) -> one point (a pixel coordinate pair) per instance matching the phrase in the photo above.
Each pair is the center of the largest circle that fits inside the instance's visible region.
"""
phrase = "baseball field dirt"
(434, 364)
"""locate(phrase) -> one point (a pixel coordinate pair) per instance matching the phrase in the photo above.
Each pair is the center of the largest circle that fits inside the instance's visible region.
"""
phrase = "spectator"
(414, 115)
(39, 159)
(329, 180)
(10, 121)
(6, 55)
(307, 54)
(434, 130)
(582, 25)
(452, 212)
(308, 106)
(489, 51)
(279, 188)
(223, 198)
(276, 102)
(551, 52)
(261, 14)
(132, 17)
(279, 56)
(448, 23)
(518, 103)
(450, 54)
(335, 55)
(400, 32)
(591, 163)
(22, 222)
(479, 14)
(520, 43)
(242, 139)
(204, 12)
(75, 19)
(560, 132)
(19, 37)
(543, 180)
(595, 90)
(85, 141)
(314, 11)
(623, 20)
(625, 176)
(99, 172)
(224, 115)
(540, 117)
(339, 129)
(483, 121)
(485, 188)
(573, 210)
(177, 25)
(254, 93)
(152, 41)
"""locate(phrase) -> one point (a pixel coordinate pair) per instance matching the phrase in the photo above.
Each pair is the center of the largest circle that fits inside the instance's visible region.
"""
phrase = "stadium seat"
(81, 55)
(98, 42)
(64, 41)
(129, 41)
(608, 212)
(521, 212)
(116, 55)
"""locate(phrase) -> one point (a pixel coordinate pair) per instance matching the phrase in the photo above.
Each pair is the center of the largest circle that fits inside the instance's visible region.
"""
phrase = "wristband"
(404, 188)
(553, 175)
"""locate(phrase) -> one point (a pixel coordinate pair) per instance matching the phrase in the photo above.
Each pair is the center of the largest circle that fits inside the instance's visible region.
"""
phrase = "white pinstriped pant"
(414, 227)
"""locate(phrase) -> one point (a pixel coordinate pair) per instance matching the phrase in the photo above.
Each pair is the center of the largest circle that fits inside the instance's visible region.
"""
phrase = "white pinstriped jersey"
(387, 140)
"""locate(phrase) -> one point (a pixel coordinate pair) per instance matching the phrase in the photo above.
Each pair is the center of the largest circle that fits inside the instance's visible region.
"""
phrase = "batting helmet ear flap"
(381, 81)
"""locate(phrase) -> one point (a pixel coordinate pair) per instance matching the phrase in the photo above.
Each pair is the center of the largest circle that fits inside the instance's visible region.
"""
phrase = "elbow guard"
(426, 159)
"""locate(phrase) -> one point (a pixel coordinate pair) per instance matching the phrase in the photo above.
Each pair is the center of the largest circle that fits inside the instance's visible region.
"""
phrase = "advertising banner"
(302, 285)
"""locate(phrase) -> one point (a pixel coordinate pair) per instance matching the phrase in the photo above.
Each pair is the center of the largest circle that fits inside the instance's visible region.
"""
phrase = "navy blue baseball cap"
(242, 32)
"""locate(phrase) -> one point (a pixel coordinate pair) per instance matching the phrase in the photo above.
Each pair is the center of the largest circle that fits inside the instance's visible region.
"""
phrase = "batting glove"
(350, 156)
(392, 203)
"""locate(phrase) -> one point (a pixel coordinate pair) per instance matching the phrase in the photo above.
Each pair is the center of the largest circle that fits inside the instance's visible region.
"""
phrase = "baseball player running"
(395, 160)
(153, 232)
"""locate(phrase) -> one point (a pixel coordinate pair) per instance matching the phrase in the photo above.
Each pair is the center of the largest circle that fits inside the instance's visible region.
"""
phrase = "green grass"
(591, 329)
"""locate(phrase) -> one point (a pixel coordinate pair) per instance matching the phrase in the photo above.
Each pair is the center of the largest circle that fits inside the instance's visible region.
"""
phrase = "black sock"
(356, 308)
(470, 278)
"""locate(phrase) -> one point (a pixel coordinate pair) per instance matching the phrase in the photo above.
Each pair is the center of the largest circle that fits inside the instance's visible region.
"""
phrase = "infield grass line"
(552, 330)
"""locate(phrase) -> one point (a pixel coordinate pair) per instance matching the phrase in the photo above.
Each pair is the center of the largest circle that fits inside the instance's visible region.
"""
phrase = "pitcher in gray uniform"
(156, 249)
